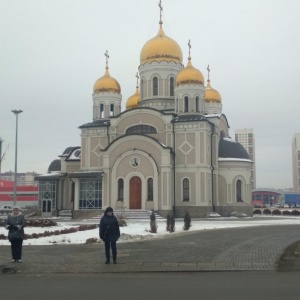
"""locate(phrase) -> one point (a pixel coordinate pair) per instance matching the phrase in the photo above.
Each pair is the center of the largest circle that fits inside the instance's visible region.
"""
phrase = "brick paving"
(234, 249)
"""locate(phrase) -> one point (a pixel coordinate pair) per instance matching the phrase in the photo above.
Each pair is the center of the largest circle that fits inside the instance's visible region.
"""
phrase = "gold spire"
(107, 57)
(106, 83)
(208, 70)
(211, 95)
(160, 13)
(189, 44)
(137, 79)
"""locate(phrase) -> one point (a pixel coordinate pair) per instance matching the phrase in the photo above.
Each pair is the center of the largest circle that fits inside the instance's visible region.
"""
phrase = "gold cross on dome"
(107, 57)
(137, 78)
(208, 70)
(189, 44)
(160, 9)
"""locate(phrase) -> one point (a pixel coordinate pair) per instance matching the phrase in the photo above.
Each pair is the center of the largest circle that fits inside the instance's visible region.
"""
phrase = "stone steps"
(137, 214)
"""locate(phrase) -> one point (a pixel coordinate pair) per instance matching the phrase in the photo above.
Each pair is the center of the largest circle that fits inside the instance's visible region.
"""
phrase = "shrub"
(266, 211)
(286, 213)
(187, 221)
(40, 222)
(87, 227)
(257, 212)
(153, 225)
(170, 223)
(121, 221)
(276, 212)
(295, 213)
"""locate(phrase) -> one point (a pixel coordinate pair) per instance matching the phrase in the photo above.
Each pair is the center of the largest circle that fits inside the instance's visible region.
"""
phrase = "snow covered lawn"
(139, 229)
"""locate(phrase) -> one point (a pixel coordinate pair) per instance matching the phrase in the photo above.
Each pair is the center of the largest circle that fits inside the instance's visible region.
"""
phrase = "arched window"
(120, 189)
(239, 191)
(111, 109)
(141, 129)
(186, 104)
(155, 86)
(186, 189)
(197, 104)
(142, 88)
(172, 86)
(101, 111)
(150, 189)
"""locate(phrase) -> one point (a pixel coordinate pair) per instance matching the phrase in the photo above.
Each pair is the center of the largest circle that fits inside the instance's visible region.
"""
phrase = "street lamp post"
(16, 112)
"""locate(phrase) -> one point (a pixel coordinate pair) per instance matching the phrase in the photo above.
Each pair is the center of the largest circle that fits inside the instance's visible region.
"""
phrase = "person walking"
(15, 224)
(109, 232)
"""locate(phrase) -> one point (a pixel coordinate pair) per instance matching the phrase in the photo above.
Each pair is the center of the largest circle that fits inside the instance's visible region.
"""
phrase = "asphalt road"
(155, 286)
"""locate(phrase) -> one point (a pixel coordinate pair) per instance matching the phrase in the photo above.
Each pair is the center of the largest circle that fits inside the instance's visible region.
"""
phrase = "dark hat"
(108, 209)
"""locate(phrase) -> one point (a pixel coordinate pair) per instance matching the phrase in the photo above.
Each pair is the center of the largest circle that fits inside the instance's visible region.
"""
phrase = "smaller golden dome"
(211, 95)
(189, 75)
(133, 100)
(107, 83)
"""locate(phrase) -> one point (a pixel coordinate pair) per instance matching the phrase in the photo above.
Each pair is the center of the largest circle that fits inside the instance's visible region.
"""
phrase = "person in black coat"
(109, 232)
(15, 223)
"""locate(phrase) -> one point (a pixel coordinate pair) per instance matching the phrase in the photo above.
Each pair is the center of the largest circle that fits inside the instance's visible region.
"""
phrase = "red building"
(26, 195)
(266, 197)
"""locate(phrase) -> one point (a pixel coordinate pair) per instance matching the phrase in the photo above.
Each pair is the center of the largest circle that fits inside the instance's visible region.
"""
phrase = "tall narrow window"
(186, 104)
(142, 88)
(239, 191)
(150, 189)
(155, 86)
(111, 109)
(120, 189)
(186, 189)
(176, 104)
(101, 111)
(172, 86)
(197, 104)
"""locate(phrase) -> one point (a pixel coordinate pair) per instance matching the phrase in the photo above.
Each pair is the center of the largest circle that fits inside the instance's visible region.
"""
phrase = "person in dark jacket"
(15, 224)
(109, 232)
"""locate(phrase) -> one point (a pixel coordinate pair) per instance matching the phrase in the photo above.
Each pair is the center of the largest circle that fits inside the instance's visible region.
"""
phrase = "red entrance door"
(135, 193)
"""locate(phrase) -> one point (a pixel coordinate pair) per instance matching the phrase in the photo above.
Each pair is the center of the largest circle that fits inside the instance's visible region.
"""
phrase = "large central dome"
(161, 48)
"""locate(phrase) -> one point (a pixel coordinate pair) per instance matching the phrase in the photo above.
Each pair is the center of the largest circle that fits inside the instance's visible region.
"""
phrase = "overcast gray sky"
(52, 52)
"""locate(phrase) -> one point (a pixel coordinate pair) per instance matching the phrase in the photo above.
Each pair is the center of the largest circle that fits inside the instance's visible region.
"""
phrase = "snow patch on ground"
(137, 230)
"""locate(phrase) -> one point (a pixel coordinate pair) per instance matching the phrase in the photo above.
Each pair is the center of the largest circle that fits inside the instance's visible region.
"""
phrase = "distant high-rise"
(296, 162)
(246, 138)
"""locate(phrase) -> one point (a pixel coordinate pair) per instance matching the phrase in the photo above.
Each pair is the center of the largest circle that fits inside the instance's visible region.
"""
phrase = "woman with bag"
(109, 232)
(15, 223)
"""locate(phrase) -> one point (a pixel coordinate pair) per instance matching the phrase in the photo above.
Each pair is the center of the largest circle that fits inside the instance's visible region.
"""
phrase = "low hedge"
(55, 232)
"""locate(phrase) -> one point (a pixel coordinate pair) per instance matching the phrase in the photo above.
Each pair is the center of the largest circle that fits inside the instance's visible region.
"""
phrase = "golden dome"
(211, 95)
(189, 75)
(107, 83)
(133, 100)
(161, 48)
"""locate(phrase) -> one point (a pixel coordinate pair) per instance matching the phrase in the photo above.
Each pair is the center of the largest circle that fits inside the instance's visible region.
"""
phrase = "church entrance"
(135, 193)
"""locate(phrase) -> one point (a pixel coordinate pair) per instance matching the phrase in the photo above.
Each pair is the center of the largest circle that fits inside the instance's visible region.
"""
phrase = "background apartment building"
(296, 162)
(246, 138)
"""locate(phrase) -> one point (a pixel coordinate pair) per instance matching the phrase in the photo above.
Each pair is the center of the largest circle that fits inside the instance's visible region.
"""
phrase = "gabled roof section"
(130, 135)
(96, 123)
(189, 118)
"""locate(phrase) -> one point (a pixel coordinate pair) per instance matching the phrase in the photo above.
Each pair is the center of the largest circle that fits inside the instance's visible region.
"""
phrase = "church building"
(169, 151)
